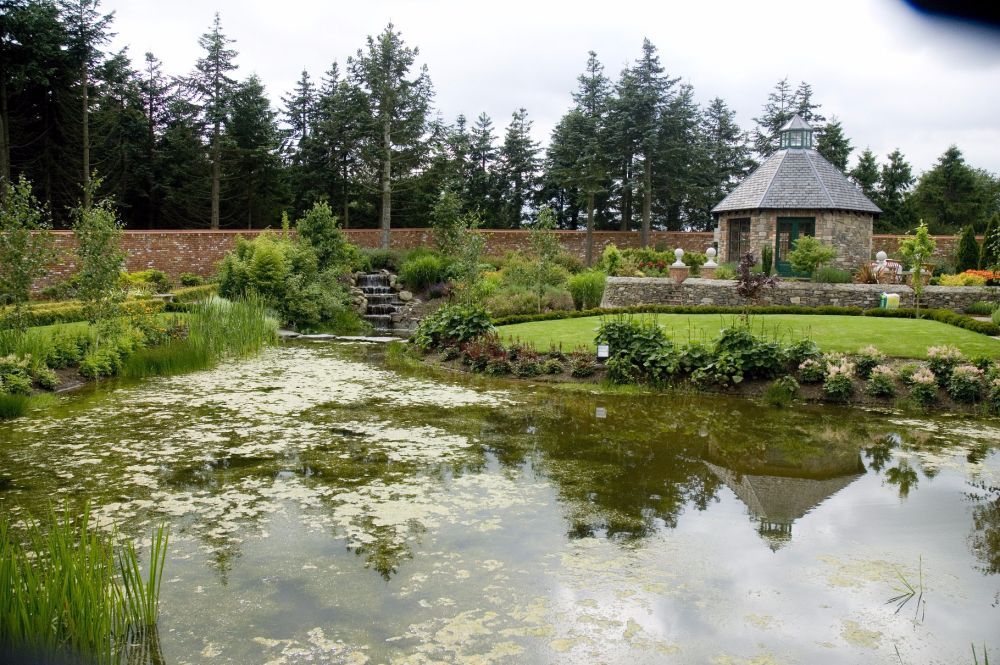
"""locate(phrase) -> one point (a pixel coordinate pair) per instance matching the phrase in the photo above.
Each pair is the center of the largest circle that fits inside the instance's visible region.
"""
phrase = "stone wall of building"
(849, 232)
(630, 291)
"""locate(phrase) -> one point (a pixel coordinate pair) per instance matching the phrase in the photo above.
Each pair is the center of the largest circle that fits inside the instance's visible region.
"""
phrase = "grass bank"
(900, 338)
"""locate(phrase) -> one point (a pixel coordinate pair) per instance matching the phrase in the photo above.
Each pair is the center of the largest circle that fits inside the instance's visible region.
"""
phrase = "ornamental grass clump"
(942, 360)
(923, 387)
(965, 384)
(839, 384)
(866, 360)
(812, 370)
(881, 381)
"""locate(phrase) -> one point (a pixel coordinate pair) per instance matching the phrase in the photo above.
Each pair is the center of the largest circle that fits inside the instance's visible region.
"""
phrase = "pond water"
(326, 509)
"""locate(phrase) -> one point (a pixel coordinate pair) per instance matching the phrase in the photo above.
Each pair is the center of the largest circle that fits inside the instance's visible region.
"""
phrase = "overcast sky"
(893, 78)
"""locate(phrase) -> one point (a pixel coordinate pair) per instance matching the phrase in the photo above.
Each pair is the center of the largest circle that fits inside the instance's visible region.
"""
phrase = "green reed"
(70, 593)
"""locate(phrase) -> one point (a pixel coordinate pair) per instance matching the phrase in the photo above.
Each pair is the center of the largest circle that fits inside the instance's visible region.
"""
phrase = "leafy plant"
(881, 382)
(25, 249)
(450, 325)
(965, 384)
(808, 254)
(782, 392)
(838, 384)
(812, 370)
(866, 360)
(942, 360)
(98, 235)
(191, 279)
(767, 259)
(916, 250)
(923, 387)
(420, 272)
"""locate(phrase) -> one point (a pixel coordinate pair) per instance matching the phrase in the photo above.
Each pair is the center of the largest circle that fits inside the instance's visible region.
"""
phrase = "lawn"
(902, 338)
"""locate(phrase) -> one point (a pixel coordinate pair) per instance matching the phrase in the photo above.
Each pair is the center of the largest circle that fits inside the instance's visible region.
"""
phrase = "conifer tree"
(834, 145)
(968, 253)
(211, 85)
(989, 257)
(88, 29)
(894, 185)
(520, 162)
(481, 189)
(727, 149)
(865, 175)
(300, 109)
(950, 195)
(398, 104)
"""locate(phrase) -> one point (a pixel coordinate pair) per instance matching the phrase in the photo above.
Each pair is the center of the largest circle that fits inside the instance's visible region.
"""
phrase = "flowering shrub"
(990, 277)
(812, 370)
(966, 384)
(803, 350)
(993, 397)
(881, 381)
(942, 360)
(962, 279)
(838, 384)
(923, 386)
(866, 361)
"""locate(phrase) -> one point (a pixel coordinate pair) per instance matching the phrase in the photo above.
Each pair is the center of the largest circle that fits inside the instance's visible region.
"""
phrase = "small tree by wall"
(25, 250)
(98, 235)
(967, 255)
(810, 254)
(916, 250)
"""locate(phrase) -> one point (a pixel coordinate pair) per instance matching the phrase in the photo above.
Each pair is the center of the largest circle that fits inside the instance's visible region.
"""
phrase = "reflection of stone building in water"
(778, 494)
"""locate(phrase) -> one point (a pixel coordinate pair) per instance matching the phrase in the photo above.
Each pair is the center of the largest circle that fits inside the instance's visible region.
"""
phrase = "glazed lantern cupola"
(796, 133)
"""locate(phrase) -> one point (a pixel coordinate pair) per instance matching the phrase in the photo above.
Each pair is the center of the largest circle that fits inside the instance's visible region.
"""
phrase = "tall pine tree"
(520, 162)
(834, 145)
(865, 175)
(211, 85)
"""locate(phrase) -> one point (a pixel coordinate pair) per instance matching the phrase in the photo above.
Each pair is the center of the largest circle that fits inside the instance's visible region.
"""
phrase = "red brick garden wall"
(199, 252)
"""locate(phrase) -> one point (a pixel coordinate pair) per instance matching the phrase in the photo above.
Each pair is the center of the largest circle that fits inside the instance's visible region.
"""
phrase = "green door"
(789, 230)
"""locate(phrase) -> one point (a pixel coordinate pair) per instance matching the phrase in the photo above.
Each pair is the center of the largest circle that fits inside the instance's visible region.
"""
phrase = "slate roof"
(796, 122)
(798, 178)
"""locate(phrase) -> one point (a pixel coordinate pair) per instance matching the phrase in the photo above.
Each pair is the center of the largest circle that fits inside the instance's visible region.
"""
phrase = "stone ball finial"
(710, 253)
(881, 257)
(679, 253)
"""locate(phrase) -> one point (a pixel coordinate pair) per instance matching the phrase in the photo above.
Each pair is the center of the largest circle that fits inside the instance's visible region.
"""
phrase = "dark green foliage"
(953, 194)
(968, 253)
(13, 406)
(639, 351)
(989, 258)
(803, 350)
(965, 384)
(881, 384)
(740, 355)
(866, 175)
(452, 325)
(834, 145)
(157, 280)
(838, 387)
(866, 360)
(767, 259)
(582, 364)
(318, 227)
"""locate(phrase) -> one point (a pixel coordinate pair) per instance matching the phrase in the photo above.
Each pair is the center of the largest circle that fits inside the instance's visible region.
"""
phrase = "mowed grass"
(901, 338)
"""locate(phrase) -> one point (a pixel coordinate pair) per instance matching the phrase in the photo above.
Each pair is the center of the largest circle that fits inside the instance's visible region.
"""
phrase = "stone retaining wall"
(630, 291)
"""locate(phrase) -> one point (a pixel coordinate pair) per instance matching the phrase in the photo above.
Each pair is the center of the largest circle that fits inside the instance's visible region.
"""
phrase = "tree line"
(205, 149)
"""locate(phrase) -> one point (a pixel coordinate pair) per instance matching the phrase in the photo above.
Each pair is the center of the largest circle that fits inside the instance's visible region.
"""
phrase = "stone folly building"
(796, 192)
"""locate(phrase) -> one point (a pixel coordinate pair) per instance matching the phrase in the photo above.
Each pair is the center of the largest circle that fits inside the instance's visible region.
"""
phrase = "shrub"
(981, 308)
(497, 366)
(831, 275)
(803, 350)
(587, 289)
(694, 260)
(996, 317)
(923, 387)
(965, 384)
(881, 381)
(906, 371)
(571, 263)
(450, 325)
(422, 271)
(68, 349)
(812, 370)
(967, 255)
(739, 355)
(838, 384)
(809, 254)
(191, 279)
(381, 259)
(767, 259)
(15, 378)
(552, 366)
(725, 271)
(582, 364)
(963, 279)
(157, 280)
(866, 360)
(993, 396)
(782, 392)
(942, 360)
(639, 350)
(318, 229)
(45, 378)
(526, 367)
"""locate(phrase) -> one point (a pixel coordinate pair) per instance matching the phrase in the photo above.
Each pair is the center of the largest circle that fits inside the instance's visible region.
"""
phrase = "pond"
(325, 508)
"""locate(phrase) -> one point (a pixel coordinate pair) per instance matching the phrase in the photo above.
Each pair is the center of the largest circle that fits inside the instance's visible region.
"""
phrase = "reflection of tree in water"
(903, 476)
(984, 541)
(879, 452)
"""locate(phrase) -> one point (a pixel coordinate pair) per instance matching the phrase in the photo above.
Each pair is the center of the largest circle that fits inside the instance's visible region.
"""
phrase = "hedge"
(941, 315)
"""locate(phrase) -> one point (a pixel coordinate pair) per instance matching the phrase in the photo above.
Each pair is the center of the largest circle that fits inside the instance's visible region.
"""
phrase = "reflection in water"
(357, 514)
